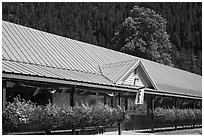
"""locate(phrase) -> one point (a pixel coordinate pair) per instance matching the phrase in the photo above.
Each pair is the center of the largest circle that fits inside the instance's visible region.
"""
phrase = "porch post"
(152, 113)
(126, 103)
(73, 90)
(175, 104)
(104, 100)
(119, 125)
(3, 95)
(194, 103)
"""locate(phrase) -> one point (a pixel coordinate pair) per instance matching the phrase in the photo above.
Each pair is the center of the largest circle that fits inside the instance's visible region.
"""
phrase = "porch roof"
(26, 51)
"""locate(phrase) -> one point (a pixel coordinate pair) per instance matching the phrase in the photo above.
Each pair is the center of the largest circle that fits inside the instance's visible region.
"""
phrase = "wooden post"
(194, 103)
(126, 103)
(152, 113)
(175, 104)
(72, 104)
(119, 126)
(4, 95)
(105, 100)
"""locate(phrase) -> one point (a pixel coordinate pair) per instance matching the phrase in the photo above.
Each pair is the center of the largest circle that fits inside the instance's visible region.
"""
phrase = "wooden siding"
(143, 80)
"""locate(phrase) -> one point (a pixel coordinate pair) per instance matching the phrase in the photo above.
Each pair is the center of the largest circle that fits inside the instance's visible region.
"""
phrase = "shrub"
(198, 116)
(181, 115)
(100, 115)
(24, 115)
(17, 115)
(81, 116)
(163, 115)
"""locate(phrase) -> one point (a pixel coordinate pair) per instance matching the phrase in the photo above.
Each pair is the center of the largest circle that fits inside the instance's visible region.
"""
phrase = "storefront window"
(88, 99)
(137, 109)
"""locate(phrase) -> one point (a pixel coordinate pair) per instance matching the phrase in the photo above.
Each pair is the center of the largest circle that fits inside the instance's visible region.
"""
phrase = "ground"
(196, 131)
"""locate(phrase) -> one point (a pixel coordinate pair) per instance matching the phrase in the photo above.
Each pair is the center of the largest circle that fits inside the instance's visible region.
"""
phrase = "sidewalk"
(184, 131)
(130, 132)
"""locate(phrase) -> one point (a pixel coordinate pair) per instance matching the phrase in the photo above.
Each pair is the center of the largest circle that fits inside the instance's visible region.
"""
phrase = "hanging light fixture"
(111, 94)
(36, 91)
(52, 91)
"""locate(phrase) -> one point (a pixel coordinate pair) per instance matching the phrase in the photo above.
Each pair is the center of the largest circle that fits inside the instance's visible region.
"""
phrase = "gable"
(115, 71)
(138, 78)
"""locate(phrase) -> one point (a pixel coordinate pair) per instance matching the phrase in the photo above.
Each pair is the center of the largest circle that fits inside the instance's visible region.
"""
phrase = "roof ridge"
(50, 66)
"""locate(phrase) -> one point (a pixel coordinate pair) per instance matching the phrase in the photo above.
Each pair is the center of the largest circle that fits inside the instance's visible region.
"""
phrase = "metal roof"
(49, 72)
(32, 52)
(173, 80)
(115, 71)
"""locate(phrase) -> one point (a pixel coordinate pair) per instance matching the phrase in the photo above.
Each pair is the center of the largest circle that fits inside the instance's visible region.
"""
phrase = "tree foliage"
(97, 22)
(144, 34)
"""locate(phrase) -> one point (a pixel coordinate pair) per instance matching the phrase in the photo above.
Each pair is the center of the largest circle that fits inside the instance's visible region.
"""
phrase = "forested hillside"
(97, 23)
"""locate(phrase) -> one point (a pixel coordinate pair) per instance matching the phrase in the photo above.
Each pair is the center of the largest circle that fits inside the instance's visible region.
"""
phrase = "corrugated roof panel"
(34, 46)
(28, 45)
(94, 54)
(11, 66)
(170, 89)
(172, 77)
(69, 56)
(103, 56)
(75, 61)
(10, 46)
(7, 50)
(89, 60)
(44, 46)
(7, 68)
(13, 41)
(115, 71)
(121, 72)
(87, 52)
(19, 41)
(86, 48)
(65, 60)
(54, 50)
(5, 55)
(115, 56)
(44, 50)
(36, 70)
(79, 60)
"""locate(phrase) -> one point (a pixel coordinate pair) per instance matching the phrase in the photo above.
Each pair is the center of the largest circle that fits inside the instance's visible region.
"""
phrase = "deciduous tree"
(144, 34)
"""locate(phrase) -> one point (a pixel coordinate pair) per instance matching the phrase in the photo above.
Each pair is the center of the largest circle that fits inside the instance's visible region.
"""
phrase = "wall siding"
(143, 80)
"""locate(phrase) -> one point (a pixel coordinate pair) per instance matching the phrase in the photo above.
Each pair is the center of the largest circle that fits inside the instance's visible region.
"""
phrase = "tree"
(144, 34)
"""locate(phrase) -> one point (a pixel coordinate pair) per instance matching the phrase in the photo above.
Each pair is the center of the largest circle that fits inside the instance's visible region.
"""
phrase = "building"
(44, 67)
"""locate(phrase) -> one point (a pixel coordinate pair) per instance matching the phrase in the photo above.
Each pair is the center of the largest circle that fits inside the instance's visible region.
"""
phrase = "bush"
(100, 115)
(24, 115)
(163, 115)
(17, 115)
(198, 116)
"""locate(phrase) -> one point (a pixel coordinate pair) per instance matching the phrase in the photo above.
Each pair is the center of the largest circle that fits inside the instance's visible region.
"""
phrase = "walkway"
(196, 131)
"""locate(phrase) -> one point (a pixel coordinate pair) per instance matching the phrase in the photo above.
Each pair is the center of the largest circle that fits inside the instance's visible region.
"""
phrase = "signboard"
(139, 99)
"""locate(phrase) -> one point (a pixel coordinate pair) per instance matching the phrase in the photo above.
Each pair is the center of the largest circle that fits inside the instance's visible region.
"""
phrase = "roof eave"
(91, 85)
